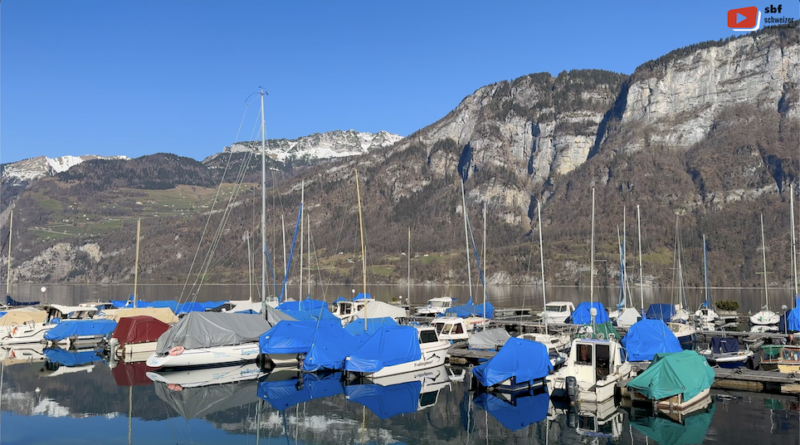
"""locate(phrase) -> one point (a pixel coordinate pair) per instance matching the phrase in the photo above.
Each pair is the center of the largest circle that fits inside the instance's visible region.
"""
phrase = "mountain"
(41, 166)
(709, 133)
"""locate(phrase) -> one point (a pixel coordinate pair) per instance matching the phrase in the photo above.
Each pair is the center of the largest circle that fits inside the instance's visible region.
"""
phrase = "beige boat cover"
(163, 314)
(19, 316)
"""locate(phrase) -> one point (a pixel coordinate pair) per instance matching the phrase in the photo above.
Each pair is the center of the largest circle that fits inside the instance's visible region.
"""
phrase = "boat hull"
(218, 355)
(24, 334)
(765, 318)
(432, 357)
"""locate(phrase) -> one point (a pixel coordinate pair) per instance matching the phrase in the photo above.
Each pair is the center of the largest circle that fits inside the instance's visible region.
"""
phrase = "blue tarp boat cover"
(525, 360)
(388, 346)
(283, 394)
(793, 317)
(12, 302)
(582, 313)
(646, 338)
(356, 327)
(304, 305)
(526, 411)
(360, 296)
(720, 345)
(66, 358)
(331, 351)
(386, 401)
(466, 310)
(76, 328)
(663, 312)
(294, 337)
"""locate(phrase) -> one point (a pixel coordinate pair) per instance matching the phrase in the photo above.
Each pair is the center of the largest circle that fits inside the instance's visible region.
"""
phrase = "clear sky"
(147, 76)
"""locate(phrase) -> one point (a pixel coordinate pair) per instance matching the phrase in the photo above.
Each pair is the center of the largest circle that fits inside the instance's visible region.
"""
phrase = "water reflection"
(239, 404)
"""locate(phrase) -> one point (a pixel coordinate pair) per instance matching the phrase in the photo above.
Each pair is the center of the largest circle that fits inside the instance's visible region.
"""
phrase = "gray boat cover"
(209, 329)
(197, 402)
(275, 315)
(490, 339)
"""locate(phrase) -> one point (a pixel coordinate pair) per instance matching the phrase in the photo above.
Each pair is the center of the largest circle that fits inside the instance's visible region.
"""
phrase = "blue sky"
(134, 78)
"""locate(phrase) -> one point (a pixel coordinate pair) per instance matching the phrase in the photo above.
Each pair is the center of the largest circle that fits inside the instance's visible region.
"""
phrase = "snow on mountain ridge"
(40, 166)
(332, 144)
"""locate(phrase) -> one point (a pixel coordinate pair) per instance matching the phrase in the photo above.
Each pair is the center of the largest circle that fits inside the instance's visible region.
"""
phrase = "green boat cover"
(670, 374)
(668, 432)
(602, 331)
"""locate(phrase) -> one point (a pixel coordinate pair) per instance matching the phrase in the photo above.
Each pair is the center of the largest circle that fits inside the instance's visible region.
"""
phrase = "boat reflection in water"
(687, 429)
(59, 361)
(400, 393)
(596, 420)
(518, 410)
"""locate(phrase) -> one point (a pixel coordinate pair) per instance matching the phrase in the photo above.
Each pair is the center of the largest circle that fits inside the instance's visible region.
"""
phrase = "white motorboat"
(765, 317)
(556, 311)
(685, 333)
(435, 306)
(433, 354)
(725, 353)
(29, 325)
(596, 365)
(554, 342)
(209, 338)
(451, 329)
(347, 310)
(706, 315)
(374, 309)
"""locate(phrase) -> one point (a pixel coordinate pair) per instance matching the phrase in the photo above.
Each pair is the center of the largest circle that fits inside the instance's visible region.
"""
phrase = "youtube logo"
(744, 19)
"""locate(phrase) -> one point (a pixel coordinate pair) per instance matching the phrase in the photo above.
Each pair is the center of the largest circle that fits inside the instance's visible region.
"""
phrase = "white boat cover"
(490, 339)
(629, 317)
(379, 309)
(210, 329)
(193, 403)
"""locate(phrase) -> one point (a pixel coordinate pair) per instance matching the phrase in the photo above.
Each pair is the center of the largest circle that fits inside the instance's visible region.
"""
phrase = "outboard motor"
(572, 388)
(572, 418)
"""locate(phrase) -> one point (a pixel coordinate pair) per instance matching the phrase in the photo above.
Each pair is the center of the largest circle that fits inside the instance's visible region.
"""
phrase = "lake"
(88, 401)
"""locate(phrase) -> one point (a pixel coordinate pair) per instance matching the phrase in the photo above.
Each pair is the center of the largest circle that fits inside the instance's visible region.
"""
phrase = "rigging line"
(475, 249)
(316, 257)
(221, 181)
(291, 254)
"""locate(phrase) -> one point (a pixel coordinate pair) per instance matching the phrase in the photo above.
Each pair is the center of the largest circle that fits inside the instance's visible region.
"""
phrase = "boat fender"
(14, 331)
(176, 351)
(572, 388)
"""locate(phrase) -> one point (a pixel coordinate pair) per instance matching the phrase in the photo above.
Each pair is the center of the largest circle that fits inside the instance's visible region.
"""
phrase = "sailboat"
(595, 366)
(624, 316)
(706, 315)
(681, 314)
(765, 316)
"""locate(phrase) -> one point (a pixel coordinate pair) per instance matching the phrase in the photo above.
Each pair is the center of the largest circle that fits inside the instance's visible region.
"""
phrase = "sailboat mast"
(794, 249)
(466, 237)
(624, 264)
(308, 222)
(263, 203)
(705, 269)
(484, 260)
(136, 267)
(363, 255)
(408, 258)
(681, 292)
(302, 202)
(283, 234)
(541, 260)
(591, 267)
(764, 261)
(641, 273)
(10, 233)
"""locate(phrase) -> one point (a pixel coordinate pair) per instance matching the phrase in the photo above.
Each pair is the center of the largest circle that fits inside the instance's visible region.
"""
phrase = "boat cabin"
(69, 312)
(346, 309)
(557, 311)
(436, 306)
(597, 366)
(451, 328)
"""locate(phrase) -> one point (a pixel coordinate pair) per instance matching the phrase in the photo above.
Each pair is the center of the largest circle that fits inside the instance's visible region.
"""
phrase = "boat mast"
(302, 201)
(484, 261)
(624, 264)
(363, 255)
(681, 292)
(263, 203)
(308, 222)
(466, 237)
(541, 261)
(136, 268)
(794, 249)
(408, 255)
(764, 261)
(591, 267)
(8, 274)
(283, 234)
(641, 273)
(705, 270)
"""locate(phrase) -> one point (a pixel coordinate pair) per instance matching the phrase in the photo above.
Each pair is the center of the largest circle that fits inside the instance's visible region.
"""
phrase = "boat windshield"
(428, 336)
(555, 308)
(438, 304)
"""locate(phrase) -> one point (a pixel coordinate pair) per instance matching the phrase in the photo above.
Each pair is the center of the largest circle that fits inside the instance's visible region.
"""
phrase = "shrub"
(725, 305)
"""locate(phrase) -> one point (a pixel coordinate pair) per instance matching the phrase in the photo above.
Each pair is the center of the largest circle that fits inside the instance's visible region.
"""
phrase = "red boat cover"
(139, 329)
(131, 374)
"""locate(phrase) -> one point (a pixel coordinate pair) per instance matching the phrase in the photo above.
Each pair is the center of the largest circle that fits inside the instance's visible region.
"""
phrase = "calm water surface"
(92, 403)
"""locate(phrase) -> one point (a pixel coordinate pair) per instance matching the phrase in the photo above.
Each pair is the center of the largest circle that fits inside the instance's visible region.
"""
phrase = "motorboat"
(398, 350)
(29, 325)
(647, 338)
(435, 306)
(209, 338)
(556, 312)
(519, 365)
(349, 311)
(135, 337)
(678, 381)
(596, 367)
(346, 310)
(80, 333)
(782, 358)
(765, 317)
(725, 353)
(554, 342)
(685, 333)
